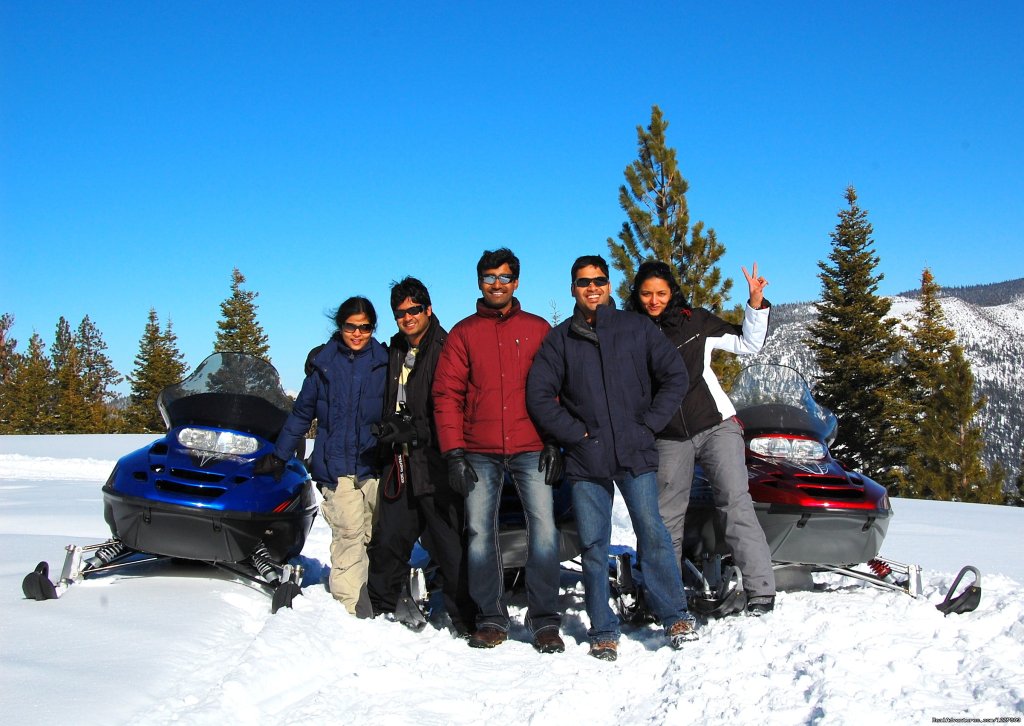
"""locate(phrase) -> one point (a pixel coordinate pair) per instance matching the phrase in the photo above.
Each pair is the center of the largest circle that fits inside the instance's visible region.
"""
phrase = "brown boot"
(487, 636)
(548, 641)
(605, 650)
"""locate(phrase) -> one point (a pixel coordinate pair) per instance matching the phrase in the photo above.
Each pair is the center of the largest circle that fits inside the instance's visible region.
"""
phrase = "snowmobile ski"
(968, 600)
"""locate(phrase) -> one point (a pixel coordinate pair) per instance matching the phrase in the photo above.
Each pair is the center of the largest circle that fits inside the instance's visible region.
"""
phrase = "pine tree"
(945, 446)
(238, 330)
(658, 223)
(945, 460)
(33, 389)
(929, 343)
(856, 347)
(9, 363)
(98, 378)
(70, 403)
(157, 365)
(658, 227)
(927, 348)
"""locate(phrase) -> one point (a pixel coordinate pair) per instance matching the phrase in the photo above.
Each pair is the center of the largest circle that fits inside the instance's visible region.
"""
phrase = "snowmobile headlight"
(782, 447)
(219, 442)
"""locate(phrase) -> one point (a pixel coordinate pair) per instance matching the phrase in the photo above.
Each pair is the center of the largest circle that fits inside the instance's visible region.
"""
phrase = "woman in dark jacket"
(704, 428)
(344, 392)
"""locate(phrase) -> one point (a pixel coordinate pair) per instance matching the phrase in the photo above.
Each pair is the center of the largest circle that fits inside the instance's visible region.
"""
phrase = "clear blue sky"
(326, 149)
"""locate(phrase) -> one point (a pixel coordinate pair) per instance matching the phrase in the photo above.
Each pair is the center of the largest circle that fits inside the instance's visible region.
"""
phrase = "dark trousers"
(438, 518)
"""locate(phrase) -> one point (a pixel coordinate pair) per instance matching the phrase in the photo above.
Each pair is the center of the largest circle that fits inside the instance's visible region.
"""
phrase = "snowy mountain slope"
(993, 341)
(186, 645)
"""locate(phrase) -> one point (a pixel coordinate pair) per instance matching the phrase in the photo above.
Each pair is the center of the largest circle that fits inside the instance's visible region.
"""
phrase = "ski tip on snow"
(37, 585)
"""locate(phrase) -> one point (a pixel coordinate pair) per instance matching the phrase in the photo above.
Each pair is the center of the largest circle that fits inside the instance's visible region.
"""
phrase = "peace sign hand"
(757, 285)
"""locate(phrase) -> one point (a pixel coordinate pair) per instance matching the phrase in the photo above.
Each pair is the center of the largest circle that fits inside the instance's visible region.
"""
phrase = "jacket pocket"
(587, 459)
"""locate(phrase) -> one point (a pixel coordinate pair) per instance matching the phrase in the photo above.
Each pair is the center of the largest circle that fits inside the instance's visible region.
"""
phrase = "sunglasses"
(491, 279)
(583, 282)
(353, 327)
(414, 310)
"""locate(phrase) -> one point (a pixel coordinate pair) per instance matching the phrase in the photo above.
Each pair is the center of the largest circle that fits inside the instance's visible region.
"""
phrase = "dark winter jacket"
(480, 382)
(695, 333)
(345, 394)
(593, 389)
(427, 469)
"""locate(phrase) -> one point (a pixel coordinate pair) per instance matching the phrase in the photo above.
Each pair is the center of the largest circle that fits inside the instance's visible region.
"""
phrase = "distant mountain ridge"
(996, 293)
(989, 324)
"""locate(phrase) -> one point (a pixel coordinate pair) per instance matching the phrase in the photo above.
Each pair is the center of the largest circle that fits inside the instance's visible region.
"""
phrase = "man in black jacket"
(415, 496)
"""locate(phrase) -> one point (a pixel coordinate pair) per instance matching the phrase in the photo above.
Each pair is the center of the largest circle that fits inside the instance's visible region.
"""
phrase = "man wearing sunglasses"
(416, 498)
(486, 435)
(602, 383)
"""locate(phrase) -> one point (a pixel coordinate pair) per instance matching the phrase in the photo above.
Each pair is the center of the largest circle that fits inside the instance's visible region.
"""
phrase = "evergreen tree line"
(69, 390)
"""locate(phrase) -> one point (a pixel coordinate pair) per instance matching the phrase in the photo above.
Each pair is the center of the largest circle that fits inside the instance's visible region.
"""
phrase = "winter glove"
(551, 463)
(269, 464)
(460, 472)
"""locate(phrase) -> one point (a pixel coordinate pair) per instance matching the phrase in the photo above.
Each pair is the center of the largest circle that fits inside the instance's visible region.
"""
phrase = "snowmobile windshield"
(771, 396)
(233, 391)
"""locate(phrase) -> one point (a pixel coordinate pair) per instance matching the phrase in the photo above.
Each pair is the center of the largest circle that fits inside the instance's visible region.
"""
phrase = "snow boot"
(605, 650)
(682, 631)
(758, 605)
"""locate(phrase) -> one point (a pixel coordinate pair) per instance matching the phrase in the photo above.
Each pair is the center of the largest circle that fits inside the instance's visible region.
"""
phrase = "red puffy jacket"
(480, 382)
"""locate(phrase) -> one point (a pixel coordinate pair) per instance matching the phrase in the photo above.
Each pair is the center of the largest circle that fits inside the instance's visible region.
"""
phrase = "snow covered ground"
(187, 645)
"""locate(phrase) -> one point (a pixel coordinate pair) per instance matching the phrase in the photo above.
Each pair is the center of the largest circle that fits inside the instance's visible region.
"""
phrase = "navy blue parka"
(344, 392)
(603, 391)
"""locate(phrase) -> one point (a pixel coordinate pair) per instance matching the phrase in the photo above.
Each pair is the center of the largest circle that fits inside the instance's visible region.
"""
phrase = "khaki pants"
(350, 510)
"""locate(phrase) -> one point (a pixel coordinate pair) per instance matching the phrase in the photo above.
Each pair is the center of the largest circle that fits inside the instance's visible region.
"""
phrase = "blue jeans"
(662, 581)
(486, 577)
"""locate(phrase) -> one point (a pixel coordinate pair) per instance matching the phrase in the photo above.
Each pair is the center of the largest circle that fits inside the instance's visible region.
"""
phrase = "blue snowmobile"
(192, 494)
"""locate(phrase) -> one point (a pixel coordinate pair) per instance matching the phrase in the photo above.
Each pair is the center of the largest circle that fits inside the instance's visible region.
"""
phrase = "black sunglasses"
(353, 327)
(583, 282)
(491, 279)
(414, 310)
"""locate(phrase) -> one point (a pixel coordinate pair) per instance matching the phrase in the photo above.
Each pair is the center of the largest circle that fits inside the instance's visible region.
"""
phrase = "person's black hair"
(661, 270)
(353, 306)
(409, 287)
(587, 261)
(493, 259)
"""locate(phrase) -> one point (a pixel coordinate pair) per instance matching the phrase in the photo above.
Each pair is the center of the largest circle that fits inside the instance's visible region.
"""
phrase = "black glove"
(460, 472)
(551, 463)
(396, 429)
(269, 464)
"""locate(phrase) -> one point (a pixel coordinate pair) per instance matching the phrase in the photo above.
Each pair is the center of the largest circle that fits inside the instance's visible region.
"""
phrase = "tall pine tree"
(658, 228)
(658, 223)
(856, 347)
(157, 365)
(9, 362)
(945, 443)
(98, 378)
(69, 407)
(238, 330)
(33, 391)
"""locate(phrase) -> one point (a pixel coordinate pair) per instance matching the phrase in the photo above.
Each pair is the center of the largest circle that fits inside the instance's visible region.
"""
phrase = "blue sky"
(326, 149)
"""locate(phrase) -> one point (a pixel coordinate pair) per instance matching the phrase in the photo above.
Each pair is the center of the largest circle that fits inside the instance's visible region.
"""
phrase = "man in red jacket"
(485, 433)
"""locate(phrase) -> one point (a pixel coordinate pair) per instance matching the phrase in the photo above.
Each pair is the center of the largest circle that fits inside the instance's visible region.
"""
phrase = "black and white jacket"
(696, 333)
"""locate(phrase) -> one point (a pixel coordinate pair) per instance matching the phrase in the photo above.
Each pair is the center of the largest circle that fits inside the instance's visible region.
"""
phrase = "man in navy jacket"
(602, 383)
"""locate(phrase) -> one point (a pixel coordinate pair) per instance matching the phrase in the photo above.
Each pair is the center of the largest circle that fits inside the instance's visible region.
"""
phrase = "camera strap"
(399, 474)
